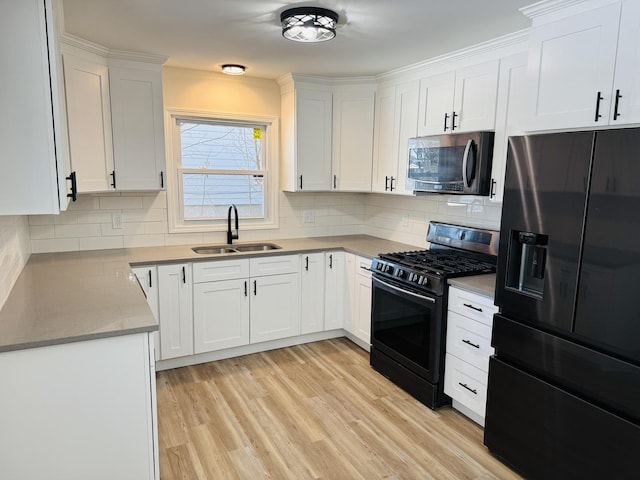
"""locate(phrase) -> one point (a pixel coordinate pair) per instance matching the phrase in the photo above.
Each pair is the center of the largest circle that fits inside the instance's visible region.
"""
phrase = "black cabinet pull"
(392, 179)
(468, 305)
(468, 342)
(335, 182)
(113, 177)
(453, 120)
(331, 261)
(161, 179)
(184, 275)
(446, 117)
(598, 99)
(150, 279)
(464, 385)
(616, 114)
(386, 183)
(492, 193)
(300, 182)
(255, 288)
(245, 288)
(306, 266)
(74, 187)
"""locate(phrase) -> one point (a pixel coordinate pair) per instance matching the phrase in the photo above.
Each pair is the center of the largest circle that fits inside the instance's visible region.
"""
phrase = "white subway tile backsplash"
(101, 243)
(155, 201)
(121, 203)
(55, 245)
(15, 249)
(78, 230)
(85, 202)
(98, 216)
(40, 232)
(144, 215)
(131, 241)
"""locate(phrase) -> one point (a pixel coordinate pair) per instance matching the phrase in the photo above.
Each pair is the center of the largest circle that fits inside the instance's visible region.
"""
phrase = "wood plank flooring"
(314, 411)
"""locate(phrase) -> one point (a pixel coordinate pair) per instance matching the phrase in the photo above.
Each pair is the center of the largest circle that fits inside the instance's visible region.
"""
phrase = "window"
(218, 161)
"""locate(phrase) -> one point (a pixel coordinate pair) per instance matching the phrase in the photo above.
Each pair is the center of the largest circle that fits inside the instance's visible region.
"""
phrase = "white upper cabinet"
(137, 121)
(352, 152)
(89, 120)
(396, 116)
(584, 68)
(35, 164)
(510, 110)
(463, 100)
(305, 136)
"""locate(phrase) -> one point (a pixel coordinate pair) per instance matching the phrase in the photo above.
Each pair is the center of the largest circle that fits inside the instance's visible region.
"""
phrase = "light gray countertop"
(68, 297)
(481, 284)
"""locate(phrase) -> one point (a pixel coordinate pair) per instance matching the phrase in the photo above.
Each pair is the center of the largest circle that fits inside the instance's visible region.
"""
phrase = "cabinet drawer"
(472, 305)
(469, 340)
(220, 270)
(274, 265)
(466, 384)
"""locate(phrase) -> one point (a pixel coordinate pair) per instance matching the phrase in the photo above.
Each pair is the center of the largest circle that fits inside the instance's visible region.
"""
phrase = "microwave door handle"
(465, 161)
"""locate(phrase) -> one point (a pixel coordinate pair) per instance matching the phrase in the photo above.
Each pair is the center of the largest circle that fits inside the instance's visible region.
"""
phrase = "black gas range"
(409, 305)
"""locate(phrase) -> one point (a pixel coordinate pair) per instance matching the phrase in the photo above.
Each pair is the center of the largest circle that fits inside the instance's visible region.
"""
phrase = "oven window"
(436, 164)
(407, 325)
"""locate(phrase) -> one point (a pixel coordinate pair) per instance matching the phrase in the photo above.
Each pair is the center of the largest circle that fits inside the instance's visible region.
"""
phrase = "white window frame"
(177, 223)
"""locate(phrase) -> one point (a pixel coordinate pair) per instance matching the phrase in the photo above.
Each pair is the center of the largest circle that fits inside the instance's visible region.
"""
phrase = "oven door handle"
(429, 299)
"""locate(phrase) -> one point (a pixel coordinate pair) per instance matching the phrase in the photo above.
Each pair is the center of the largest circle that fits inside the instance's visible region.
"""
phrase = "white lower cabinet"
(89, 411)
(148, 279)
(220, 315)
(312, 292)
(359, 298)
(275, 311)
(175, 310)
(469, 324)
(335, 286)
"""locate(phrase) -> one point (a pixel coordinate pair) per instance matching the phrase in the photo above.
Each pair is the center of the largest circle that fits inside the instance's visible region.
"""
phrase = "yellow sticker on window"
(257, 134)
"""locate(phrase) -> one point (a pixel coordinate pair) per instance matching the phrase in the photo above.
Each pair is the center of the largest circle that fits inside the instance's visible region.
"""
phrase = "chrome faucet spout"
(235, 234)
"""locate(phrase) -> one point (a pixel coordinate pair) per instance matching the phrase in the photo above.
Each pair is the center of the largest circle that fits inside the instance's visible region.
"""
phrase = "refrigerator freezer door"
(545, 195)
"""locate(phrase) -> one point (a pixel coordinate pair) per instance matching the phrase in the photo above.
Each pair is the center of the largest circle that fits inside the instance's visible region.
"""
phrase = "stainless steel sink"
(210, 250)
(220, 249)
(257, 247)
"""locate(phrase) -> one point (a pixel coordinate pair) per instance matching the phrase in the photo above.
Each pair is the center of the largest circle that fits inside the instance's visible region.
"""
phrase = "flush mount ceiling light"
(233, 69)
(309, 24)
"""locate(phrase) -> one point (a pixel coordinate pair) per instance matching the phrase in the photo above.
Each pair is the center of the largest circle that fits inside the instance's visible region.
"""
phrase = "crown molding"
(550, 7)
(81, 43)
(136, 57)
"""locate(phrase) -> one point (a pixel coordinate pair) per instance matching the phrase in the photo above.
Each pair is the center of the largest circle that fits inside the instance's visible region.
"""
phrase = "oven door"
(407, 327)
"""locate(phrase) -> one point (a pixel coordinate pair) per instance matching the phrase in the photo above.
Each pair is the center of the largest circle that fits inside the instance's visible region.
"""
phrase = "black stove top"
(457, 251)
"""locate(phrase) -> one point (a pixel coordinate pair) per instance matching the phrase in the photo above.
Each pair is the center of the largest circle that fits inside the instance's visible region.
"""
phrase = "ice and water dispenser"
(526, 262)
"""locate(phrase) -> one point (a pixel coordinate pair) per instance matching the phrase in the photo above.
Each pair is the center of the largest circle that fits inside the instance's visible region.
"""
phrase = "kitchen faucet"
(232, 235)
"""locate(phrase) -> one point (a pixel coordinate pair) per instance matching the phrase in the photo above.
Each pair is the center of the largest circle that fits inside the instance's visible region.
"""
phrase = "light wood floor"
(315, 411)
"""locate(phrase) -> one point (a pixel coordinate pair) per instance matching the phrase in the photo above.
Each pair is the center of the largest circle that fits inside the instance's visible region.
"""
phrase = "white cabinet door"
(474, 106)
(396, 122)
(627, 76)
(350, 292)
(435, 104)
(148, 280)
(34, 162)
(220, 315)
(312, 281)
(510, 110)
(570, 70)
(275, 307)
(138, 128)
(335, 307)
(313, 139)
(352, 153)
(175, 308)
(384, 159)
(362, 300)
(89, 122)
(78, 410)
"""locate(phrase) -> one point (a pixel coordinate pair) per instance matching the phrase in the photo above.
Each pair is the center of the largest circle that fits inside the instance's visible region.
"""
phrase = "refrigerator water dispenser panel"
(527, 262)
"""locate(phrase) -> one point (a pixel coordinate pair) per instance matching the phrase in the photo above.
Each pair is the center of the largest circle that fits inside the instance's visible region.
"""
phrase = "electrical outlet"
(308, 216)
(116, 221)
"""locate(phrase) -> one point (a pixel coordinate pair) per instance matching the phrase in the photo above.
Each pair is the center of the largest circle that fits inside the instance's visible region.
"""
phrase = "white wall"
(15, 249)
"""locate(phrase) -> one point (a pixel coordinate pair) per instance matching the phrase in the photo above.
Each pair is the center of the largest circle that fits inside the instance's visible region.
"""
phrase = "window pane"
(221, 147)
(209, 196)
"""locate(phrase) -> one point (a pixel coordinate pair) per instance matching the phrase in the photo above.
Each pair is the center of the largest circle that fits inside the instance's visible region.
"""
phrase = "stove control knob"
(388, 269)
(379, 266)
(412, 277)
(400, 273)
(424, 281)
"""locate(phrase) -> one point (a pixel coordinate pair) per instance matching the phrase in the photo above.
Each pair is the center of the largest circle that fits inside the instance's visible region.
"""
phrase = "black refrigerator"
(563, 396)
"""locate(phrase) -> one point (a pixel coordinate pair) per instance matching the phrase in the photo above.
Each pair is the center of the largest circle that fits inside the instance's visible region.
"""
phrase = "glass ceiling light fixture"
(233, 69)
(309, 24)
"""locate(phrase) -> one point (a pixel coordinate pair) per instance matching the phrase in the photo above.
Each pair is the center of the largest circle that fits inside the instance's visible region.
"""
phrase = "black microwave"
(454, 163)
